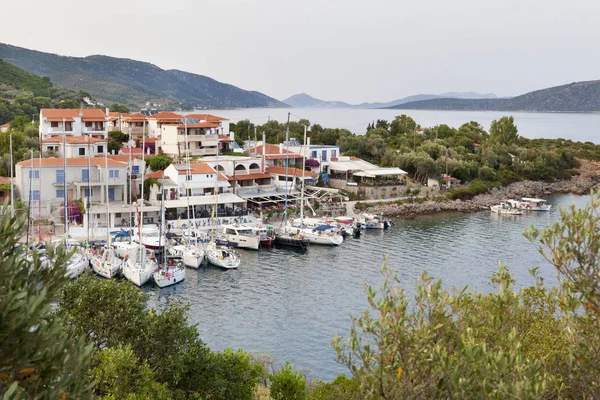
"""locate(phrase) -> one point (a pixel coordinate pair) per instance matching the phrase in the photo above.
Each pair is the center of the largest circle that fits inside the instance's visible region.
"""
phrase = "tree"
(120, 108)
(19, 123)
(402, 124)
(38, 358)
(504, 131)
(158, 162)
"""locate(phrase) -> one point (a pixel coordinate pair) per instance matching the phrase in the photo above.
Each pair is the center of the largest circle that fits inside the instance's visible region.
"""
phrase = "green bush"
(475, 188)
(287, 384)
(342, 388)
(487, 174)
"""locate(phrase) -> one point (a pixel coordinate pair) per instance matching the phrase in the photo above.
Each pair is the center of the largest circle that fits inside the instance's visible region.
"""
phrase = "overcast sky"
(346, 50)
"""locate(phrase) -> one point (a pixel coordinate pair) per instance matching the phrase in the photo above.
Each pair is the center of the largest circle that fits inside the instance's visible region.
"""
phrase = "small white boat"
(139, 268)
(77, 265)
(241, 236)
(170, 275)
(193, 257)
(124, 249)
(106, 264)
(505, 208)
(534, 204)
(371, 221)
(222, 256)
(150, 237)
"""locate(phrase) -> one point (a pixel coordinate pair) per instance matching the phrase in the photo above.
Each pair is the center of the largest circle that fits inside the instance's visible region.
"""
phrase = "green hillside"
(14, 80)
(134, 83)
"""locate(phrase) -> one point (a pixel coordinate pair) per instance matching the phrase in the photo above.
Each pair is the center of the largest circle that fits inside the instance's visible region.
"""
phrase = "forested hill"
(573, 97)
(133, 82)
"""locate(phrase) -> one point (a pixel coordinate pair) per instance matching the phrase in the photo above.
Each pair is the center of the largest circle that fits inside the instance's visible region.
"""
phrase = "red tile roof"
(135, 117)
(4, 180)
(73, 112)
(196, 168)
(225, 139)
(291, 172)
(132, 150)
(200, 125)
(206, 117)
(272, 152)
(155, 174)
(71, 162)
(124, 157)
(166, 116)
(246, 177)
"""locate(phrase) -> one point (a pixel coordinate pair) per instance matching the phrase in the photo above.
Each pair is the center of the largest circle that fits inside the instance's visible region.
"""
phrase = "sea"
(290, 304)
(575, 126)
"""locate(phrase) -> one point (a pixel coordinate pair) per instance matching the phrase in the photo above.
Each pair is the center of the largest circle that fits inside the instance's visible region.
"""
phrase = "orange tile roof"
(223, 177)
(272, 152)
(206, 117)
(135, 117)
(124, 157)
(166, 115)
(72, 112)
(225, 139)
(196, 168)
(247, 177)
(4, 180)
(156, 174)
(7, 125)
(132, 150)
(291, 171)
(151, 140)
(71, 162)
(200, 125)
(74, 140)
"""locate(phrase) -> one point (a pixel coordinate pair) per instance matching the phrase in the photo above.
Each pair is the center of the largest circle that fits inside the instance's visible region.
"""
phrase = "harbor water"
(290, 304)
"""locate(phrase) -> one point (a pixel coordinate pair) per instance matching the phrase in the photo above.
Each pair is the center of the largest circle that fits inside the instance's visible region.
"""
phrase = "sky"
(344, 50)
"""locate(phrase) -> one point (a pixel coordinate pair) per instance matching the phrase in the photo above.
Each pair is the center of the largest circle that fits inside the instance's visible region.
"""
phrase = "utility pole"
(12, 190)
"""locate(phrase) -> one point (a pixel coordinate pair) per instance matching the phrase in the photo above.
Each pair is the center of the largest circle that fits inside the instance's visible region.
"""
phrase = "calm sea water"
(579, 127)
(291, 304)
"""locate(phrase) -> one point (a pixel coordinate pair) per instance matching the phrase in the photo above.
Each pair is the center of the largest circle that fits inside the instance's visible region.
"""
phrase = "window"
(60, 176)
(34, 174)
(314, 154)
(117, 215)
(113, 173)
(136, 169)
(82, 151)
(88, 124)
(324, 155)
(86, 192)
(188, 177)
(54, 124)
(333, 153)
(60, 194)
(100, 149)
(35, 195)
(111, 194)
(85, 175)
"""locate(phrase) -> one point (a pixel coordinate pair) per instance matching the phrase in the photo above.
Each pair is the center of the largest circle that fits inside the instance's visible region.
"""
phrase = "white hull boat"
(241, 236)
(322, 237)
(222, 256)
(169, 276)
(505, 209)
(139, 268)
(124, 249)
(150, 237)
(77, 265)
(193, 257)
(533, 204)
(107, 264)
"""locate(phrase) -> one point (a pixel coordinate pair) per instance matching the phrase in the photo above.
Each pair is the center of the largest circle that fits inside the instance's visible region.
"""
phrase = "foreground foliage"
(535, 342)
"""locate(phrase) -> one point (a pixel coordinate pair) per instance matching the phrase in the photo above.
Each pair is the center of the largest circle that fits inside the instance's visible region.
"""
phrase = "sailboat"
(287, 235)
(141, 264)
(106, 263)
(166, 275)
(221, 256)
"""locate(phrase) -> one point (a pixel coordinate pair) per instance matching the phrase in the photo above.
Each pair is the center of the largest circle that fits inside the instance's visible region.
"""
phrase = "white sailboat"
(221, 256)
(139, 267)
(106, 264)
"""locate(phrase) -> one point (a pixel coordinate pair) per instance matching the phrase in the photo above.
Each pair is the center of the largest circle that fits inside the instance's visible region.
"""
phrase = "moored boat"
(222, 256)
(505, 208)
(170, 275)
(534, 204)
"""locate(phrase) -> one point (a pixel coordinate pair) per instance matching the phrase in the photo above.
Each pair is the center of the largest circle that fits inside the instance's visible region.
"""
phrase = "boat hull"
(193, 258)
(169, 277)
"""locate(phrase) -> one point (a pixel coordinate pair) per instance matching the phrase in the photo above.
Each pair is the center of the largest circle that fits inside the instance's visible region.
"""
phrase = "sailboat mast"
(188, 174)
(89, 175)
(29, 205)
(163, 255)
(303, 168)
(141, 221)
(287, 163)
(64, 178)
(107, 201)
(12, 183)
(215, 210)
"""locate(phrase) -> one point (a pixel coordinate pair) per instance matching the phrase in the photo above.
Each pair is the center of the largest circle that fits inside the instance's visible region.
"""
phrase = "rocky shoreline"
(587, 180)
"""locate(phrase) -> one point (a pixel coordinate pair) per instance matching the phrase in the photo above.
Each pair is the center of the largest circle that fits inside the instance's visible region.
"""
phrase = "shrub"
(287, 384)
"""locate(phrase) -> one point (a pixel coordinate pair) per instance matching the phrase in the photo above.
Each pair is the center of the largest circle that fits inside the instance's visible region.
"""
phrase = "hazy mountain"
(134, 83)
(304, 100)
(573, 97)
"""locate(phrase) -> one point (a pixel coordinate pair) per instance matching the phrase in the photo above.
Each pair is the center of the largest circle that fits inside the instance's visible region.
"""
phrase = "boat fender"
(221, 257)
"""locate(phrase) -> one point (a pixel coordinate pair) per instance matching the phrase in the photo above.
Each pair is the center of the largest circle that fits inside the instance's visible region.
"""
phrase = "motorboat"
(371, 221)
(139, 267)
(505, 208)
(266, 235)
(534, 204)
(106, 263)
(222, 256)
(170, 275)
(241, 236)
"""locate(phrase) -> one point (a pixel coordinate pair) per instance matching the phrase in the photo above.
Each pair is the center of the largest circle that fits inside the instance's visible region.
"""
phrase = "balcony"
(94, 129)
(60, 129)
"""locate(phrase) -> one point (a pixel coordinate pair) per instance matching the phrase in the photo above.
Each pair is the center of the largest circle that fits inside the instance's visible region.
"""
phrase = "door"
(111, 194)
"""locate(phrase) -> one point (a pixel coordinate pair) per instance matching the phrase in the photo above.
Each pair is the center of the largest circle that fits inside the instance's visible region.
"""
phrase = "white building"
(42, 186)
(76, 146)
(73, 122)
(322, 154)
(202, 139)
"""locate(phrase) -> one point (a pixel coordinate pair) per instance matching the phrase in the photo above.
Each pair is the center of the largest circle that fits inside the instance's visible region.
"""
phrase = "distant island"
(303, 100)
(134, 83)
(573, 97)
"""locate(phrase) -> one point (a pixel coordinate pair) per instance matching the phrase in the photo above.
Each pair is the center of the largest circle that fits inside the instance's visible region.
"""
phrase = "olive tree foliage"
(504, 130)
(529, 343)
(38, 358)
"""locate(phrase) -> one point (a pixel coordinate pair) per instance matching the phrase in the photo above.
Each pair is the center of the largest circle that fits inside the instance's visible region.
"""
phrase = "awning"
(93, 119)
(223, 198)
(247, 177)
(58, 119)
(372, 173)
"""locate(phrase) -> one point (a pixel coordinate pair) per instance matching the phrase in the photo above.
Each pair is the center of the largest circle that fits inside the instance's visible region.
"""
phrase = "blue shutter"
(111, 194)
(85, 175)
(60, 176)
(35, 195)
(60, 194)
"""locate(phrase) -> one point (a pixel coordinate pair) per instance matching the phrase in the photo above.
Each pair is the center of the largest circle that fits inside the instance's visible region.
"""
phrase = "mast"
(215, 211)
(163, 255)
(29, 205)
(40, 198)
(64, 179)
(287, 163)
(107, 201)
(12, 184)
(130, 167)
(303, 168)
(188, 174)
(141, 221)
(89, 187)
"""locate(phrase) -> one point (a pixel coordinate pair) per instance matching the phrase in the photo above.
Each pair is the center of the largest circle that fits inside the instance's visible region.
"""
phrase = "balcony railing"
(60, 129)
